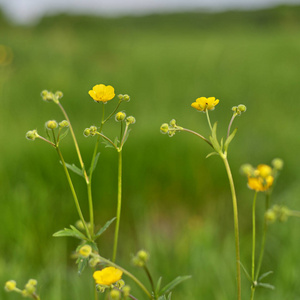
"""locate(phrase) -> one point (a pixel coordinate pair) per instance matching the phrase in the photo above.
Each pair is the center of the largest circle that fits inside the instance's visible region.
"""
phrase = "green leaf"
(75, 169)
(116, 141)
(265, 275)
(213, 138)
(158, 286)
(229, 139)
(82, 263)
(70, 232)
(169, 296)
(126, 136)
(211, 154)
(162, 298)
(170, 286)
(107, 144)
(64, 134)
(95, 163)
(102, 229)
(266, 285)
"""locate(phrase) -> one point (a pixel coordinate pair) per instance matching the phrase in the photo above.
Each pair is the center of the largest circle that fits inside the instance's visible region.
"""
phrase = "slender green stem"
(252, 292)
(208, 119)
(45, 140)
(75, 142)
(236, 225)
(197, 134)
(263, 242)
(129, 275)
(109, 140)
(253, 237)
(118, 205)
(73, 192)
(230, 123)
(124, 136)
(103, 122)
(149, 277)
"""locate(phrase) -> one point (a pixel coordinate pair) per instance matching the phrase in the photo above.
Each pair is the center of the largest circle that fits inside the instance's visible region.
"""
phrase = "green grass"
(176, 203)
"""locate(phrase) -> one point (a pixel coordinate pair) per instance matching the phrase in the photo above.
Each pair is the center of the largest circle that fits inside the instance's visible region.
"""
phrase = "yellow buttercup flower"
(203, 103)
(107, 276)
(102, 93)
(262, 179)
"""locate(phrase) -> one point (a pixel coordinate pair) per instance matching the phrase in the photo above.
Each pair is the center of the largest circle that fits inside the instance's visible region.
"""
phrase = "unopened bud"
(143, 255)
(234, 108)
(30, 288)
(47, 96)
(85, 251)
(52, 124)
(32, 135)
(270, 216)
(164, 128)
(242, 107)
(130, 120)
(277, 163)
(87, 132)
(115, 294)
(32, 282)
(173, 123)
(64, 123)
(94, 261)
(10, 285)
(93, 130)
(126, 98)
(126, 291)
(58, 95)
(120, 96)
(120, 116)
(247, 170)
(100, 288)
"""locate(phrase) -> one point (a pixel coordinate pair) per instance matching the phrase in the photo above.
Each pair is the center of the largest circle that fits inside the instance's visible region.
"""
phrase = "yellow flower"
(262, 179)
(107, 276)
(203, 103)
(102, 93)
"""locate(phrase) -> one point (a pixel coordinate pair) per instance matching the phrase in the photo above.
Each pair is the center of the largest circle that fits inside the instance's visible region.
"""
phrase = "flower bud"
(120, 116)
(164, 128)
(126, 98)
(120, 284)
(87, 132)
(47, 96)
(94, 261)
(115, 294)
(25, 293)
(270, 216)
(58, 95)
(93, 130)
(171, 132)
(130, 120)
(32, 135)
(173, 123)
(247, 170)
(100, 288)
(85, 251)
(242, 107)
(64, 123)
(143, 255)
(120, 96)
(234, 108)
(30, 288)
(126, 291)
(32, 282)
(277, 163)
(79, 225)
(52, 124)
(10, 285)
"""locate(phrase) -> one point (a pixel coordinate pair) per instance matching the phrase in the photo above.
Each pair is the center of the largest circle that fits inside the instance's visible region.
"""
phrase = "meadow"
(176, 203)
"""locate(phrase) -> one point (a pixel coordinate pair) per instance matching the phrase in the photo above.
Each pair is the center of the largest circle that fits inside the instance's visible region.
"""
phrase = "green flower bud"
(284, 214)
(47, 96)
(120, 116)
(120, 96)
(100, 288)
(85, 251)
(171, 132)
(164, 128)
(52, 124)
(30, 288)
(32, 282)
(64, 123)
(143, 255)
(126, 98)
(247, 170)
(115, 294)
(10, 285)
(242, 107)
(79, 225)
(126, 291)
(120, 284)
(130, 120)
(173, 123)
(94, 261)
(270, 216)
(25, 293)
(32, 135)
(277, 163)
(234, 108)
(87, 132)
(58, 95)
(93, 130)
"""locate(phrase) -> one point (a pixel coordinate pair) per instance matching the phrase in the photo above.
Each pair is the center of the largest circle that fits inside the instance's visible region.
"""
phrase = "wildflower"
(102, 93)
(203, 103)
(261, 179)
(85, 251)
(107, 276)
(10, 285)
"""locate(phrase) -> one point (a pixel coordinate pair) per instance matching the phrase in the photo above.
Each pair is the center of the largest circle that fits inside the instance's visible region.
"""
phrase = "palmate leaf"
(170, 286)
(70, 232)
(102, 229)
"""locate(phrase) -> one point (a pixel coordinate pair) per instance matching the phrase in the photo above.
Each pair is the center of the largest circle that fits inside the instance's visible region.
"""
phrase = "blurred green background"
(176, 203)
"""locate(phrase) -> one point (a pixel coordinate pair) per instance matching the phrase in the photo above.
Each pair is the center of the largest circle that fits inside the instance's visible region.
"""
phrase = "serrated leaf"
(229, 139)
(265, 275)
(82, 264)
(102, 229)
(95, 163)
(75, 169)
(158, 284)
(170, 286)
(64, 134)
(245, 271)
(211, 154)
(70, 232)
(266, 285)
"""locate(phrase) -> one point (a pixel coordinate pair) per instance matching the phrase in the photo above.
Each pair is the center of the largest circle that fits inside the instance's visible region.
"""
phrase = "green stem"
(73, 192)
(150, 278)
(253, 237)
(109, 140)
(236, 225)
(230, 123)
(45, 140)
(197, 134)
(118, 205)
(252, 292)
(208, 119)
(129, 275)
(75, 142)
(103, 122)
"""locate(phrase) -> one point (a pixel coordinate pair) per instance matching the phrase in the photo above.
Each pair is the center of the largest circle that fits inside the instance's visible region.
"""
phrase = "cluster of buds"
(130, 120)
(141, 258)
(170, 128)
(90, 131)
(238, 110)
(29, 290)
(124, 97)
(49, 96)
(277, 212)
(261, 178)
(32, 135)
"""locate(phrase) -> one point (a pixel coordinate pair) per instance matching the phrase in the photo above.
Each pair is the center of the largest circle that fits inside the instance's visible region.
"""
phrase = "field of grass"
(177, 204)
